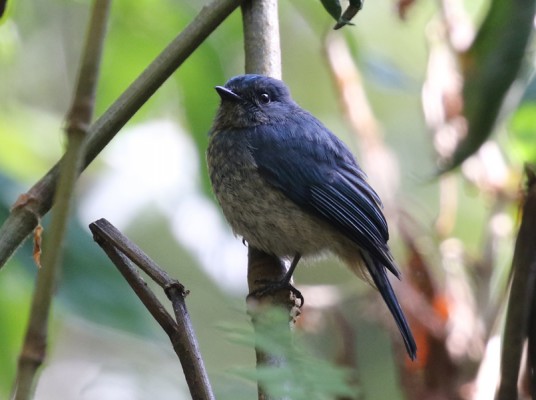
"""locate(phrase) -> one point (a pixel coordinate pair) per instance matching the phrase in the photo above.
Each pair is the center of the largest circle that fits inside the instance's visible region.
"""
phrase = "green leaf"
(523, 127)
(4, 8)
(490, 66)
(351, 11)
(333, 7)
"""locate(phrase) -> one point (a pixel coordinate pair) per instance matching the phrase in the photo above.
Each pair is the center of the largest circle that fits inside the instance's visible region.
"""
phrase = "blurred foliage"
(490, 67)
(333, 7)
(96, 314)
(302, 375)
(522, 127)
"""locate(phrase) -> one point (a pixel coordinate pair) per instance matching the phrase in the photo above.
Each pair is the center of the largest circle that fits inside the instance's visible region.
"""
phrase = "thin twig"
(131, 275)
(38, 201)
(112, 235)
(181, 333)
(34, 347)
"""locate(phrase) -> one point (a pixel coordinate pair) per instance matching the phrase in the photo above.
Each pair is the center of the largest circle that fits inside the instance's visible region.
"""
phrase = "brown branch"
(181, 333)
(35, 341)
(38, 200)
(111, 235)
(521, 299)
(263, 267)
(138, 285)
(531, 352)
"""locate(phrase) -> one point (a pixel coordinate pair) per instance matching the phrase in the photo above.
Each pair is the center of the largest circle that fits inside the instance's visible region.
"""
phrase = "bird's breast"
(256, 210)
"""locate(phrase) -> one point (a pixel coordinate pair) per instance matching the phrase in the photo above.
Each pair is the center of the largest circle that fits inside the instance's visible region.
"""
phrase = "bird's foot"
(269, 287)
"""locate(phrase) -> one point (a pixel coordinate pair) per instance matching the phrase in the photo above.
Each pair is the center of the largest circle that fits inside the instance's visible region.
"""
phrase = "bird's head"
(250, 100)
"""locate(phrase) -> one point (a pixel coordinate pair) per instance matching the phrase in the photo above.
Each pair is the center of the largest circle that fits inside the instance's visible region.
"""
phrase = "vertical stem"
(522, 297)
(34, 347)
(263, 56)
(261, 37)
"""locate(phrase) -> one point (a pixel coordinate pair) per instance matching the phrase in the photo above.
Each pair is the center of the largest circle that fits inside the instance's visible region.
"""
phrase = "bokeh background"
(151, 183)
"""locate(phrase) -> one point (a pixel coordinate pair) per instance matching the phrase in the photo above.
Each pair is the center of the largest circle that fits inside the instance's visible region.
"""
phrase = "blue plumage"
(314, 169)
(291, 188)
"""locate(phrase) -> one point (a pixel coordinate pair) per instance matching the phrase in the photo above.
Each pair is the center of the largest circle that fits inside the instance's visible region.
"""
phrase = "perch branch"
(263, 56)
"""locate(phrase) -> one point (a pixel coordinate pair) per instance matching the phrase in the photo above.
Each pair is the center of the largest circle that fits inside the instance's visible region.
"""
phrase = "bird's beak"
(227, 94)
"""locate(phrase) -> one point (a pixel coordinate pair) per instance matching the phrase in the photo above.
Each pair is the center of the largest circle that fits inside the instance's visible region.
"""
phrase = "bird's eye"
(265, 98)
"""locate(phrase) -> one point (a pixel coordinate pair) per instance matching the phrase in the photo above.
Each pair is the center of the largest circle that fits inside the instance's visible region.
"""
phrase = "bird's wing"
(314, 169)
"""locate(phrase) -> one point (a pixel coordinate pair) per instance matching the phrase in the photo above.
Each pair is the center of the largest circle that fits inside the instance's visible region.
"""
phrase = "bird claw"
(270, 287)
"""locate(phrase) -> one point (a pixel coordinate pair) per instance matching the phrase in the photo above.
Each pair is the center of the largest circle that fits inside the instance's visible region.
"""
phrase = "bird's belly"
(268, 220)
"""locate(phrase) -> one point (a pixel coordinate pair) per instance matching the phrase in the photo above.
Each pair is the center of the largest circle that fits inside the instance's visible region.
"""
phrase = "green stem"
(35, 343)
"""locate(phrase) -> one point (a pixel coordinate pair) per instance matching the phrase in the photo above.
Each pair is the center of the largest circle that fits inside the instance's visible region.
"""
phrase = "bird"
(293, 189)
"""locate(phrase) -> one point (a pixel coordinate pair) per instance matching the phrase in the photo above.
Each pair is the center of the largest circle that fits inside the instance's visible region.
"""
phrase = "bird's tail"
(379, 276)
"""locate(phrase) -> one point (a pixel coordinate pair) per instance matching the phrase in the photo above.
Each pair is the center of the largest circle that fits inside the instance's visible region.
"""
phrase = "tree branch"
(181, 333)
(38, 200)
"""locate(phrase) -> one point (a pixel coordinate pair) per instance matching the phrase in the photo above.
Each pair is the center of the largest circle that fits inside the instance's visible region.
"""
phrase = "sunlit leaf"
(333, 7)
(523, 128)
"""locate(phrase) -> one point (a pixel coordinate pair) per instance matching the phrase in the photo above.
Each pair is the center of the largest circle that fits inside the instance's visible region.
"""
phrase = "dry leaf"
(38, 231)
